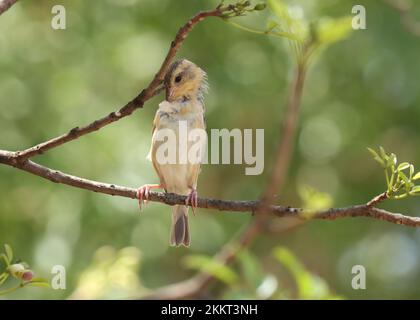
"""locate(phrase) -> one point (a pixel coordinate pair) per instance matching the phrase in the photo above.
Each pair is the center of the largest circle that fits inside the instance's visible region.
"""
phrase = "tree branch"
(5, 5)
(195, 285)
(366, 210)
(378, 199)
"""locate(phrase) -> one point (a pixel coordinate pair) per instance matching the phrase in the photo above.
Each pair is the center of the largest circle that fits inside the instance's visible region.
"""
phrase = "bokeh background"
(361, 92)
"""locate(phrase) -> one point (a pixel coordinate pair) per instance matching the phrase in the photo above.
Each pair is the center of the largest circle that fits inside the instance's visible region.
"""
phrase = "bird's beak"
(169, 94)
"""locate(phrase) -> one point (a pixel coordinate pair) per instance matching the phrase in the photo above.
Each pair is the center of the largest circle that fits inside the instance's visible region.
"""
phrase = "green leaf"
(411, 171)
(381, 162)
(215, 268)
(377, 157)
(415, 189)
(251, 269)
(373, 152)
(37, 279)
(382, 151)
(403, 177)
(271, 24)
(281, 11)
(3, 278)
(295, 27)
(5, 259)
(38, 284)
(314, 199)
(309, 286)
(260, 6)
(9, 252)
(403, 166)
(392, 160)
(330, 30)
(416, 176)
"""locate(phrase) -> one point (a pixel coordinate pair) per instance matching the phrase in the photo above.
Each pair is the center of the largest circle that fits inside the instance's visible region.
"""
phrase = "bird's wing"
(155, 124)
(154, 146)
(194, 169)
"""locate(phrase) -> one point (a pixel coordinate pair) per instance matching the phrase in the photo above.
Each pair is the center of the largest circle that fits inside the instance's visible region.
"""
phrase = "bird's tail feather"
(180, 233)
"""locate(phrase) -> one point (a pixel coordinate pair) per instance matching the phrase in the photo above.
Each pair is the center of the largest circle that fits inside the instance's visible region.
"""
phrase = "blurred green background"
(361, 92)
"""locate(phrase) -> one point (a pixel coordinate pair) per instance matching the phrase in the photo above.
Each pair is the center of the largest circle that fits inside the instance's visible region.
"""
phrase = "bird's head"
(185, 81)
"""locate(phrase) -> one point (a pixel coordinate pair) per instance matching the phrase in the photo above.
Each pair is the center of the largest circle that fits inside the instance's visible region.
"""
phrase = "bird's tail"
(180, 233)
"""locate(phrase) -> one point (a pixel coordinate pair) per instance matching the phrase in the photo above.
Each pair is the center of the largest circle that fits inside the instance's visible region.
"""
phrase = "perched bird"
(185, 85)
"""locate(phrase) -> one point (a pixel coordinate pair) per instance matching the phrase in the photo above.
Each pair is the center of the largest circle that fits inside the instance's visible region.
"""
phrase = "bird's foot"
(143, 193)
(192, 200)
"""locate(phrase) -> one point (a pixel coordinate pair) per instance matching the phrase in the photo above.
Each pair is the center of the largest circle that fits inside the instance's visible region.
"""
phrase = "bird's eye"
(178, 78)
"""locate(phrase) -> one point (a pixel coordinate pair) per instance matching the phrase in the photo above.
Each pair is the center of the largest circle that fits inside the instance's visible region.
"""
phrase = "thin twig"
(378, 199)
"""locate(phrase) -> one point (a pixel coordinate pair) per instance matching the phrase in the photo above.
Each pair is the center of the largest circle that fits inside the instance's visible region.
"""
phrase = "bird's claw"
(192, 200)
(143, 193)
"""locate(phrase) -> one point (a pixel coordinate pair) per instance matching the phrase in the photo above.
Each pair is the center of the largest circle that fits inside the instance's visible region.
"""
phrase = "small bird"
(185, 85)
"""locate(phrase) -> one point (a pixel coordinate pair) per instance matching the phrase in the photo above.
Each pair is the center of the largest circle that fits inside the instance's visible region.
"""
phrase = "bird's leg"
(192, 199)
(144, 191)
